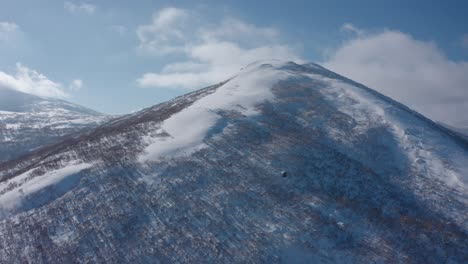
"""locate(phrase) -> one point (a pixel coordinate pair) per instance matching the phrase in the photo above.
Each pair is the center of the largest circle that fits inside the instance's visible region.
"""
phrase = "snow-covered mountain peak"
(28, 121)
(187, 129)
(283, 159)
(15, 101)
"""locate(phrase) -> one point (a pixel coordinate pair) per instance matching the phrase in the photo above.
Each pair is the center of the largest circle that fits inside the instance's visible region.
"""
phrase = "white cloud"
(165, 33)
(411, 71)
(348, 27)
(77, 8)
(7, 30)
(30, 81)
(211, 52)
(233, 29)
(75, 85)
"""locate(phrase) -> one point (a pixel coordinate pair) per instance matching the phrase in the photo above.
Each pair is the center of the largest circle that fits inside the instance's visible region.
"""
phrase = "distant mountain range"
(282, 163)
(28, 121)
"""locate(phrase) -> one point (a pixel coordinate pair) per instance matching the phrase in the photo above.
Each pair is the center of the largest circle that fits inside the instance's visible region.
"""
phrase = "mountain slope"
(28, 121)
(281, 163)
(461, 130)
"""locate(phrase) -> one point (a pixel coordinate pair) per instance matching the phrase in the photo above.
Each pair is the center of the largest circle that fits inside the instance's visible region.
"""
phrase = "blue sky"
(120, 56)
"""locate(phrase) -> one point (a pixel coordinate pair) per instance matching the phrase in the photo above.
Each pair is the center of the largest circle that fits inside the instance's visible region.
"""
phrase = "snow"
(13, 126)
(347, 199)
(7, 112)
(63, 236)
(367, 108)
(26, 184)
(426, 155)
(185, 135)
(38, 121)
(188, 128)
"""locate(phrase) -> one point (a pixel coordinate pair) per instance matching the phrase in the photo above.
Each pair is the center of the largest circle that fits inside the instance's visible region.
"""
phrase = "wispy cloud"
(211, 52)
(411, 71)
(75, 85)
(165, 34)
(348, 27)
(79, 8)
(7, 30)
(30, 81)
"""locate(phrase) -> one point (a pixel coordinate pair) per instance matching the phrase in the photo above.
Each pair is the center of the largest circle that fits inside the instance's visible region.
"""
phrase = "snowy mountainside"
(28, 121)
(200, 178)
(462, 130)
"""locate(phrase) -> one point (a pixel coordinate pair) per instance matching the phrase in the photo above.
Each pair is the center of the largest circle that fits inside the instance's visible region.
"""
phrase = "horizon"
(116, 58)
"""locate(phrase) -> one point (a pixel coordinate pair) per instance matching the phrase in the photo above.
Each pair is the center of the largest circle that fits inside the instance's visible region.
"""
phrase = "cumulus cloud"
(211, 52)
(411, 71)
(30, 81)
(165, 34)
(7, 30)
(75, 85)
(79, 8)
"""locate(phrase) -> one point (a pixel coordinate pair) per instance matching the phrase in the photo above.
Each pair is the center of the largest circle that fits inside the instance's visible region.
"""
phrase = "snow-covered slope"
(28, 121)
(281, 163)
(462, 130)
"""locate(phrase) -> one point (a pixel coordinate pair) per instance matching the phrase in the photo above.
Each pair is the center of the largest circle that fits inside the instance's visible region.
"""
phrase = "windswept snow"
(427, 155)
(368, 180)
(424, 156)
(13, 192)
(188, 128)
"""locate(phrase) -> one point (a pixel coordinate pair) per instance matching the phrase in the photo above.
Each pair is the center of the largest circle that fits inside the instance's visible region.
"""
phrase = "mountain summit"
(28, 121)
(282, 163)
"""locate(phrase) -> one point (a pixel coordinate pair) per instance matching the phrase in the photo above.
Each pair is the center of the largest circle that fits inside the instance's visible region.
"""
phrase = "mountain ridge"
(120, 122)
(310, 167)
(29, 121)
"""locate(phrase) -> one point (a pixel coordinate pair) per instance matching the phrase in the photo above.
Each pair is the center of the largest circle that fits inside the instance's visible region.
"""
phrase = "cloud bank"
(30, 81)
(411, 71)
(210, 52)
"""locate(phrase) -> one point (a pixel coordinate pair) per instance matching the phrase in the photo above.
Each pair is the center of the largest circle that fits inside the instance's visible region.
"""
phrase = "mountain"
(28, 121)
(282, 163)
(462, 130)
